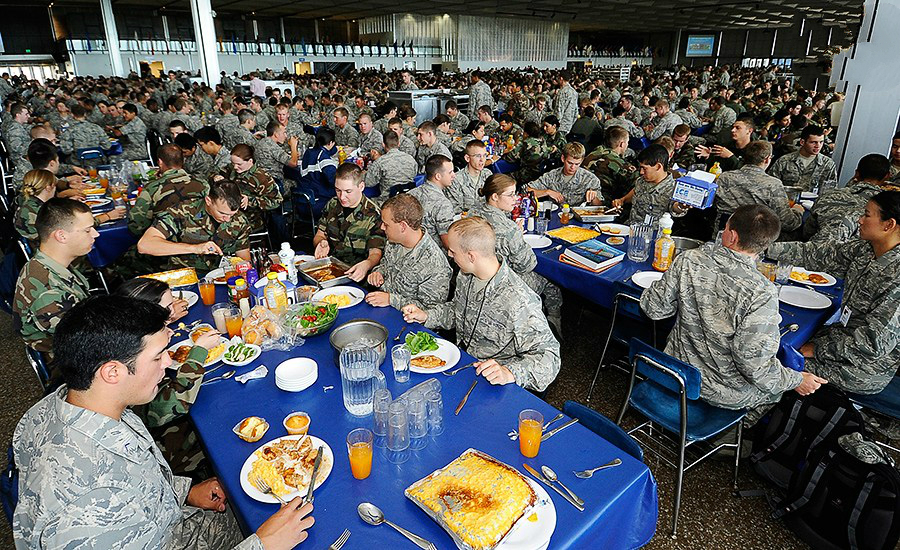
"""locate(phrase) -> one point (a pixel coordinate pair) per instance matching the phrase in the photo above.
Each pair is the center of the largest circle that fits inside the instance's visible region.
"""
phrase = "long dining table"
(621, 503)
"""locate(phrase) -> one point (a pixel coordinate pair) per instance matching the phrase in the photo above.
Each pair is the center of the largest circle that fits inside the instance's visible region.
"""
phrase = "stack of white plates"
(296, 374)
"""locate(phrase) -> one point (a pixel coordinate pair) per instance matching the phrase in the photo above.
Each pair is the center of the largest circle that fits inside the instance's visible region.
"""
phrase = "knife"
(543, 480)
(553, 432)
(312, 479)
(465, 397)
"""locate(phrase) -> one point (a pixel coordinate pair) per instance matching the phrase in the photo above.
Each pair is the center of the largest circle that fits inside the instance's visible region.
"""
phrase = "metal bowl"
(684, 243)
(353, 331)
(305, 332)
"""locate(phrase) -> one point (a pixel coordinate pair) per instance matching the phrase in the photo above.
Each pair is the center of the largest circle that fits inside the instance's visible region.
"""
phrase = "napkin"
(259, 372)
(790, 357)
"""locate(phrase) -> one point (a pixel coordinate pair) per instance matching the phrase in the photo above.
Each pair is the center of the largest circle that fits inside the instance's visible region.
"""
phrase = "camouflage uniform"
(536, 116)
(351, 236)
(515, 131)
(444, 138)
(272, 158)
(685, 156)
(459, 123)
(134, 146)
(689, 118)
(835, 215)
(437, 207)
(622, 122)
(459, 146)
(17, 137)
(199, 165)
(261, 191)
(501, 319)
(171, 189)
(492, 129)
(573, 188)
(262, 120)
(392, 168)
(26, 216)
(616, 176)
(373, 140)
(819, 174)
(518, 106)
(528, 155)
(751, 185)
(635, 115)
(652, 199)
(726, 325)
(45, 291)
(463, 191)
(419, 275)
(227, 127)
(423, 153)
(189, 222)
(90, 481)
(348, 137)
(407, 145)
(479, 94)
(566, 108)
(519, 256)
(863, 356)
(664, 126)
(555, 144)
(81, 135)
(722, 121)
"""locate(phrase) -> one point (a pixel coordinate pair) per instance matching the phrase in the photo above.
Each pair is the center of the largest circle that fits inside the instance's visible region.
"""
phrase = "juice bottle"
(342, 155)
(565, 216)
(530, 432)
(664, 252)
(716, 170)
(276, 294)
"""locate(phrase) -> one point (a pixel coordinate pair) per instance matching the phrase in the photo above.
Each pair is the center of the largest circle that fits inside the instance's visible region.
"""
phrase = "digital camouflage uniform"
(81, 135)
(199, 165)
(573, 188)
(134, 144)
(420, 275)
(722, 120)
(228, 126)
(373, 140)
(819, 174)
(519, 256)
(566, 108)
(271, 158)
(652, 199)
(444, 138)
(463, 191)
(726, 325)
(45, 291)
(170, 189)
(528, 155)
(423, 153)
(438, 211)
(689, 118)
(501, 320)
(89, 481)
(459, 123)
(17, 137)
(189, 222)
(352, 235)
(479, 95)
(392, 168)
(616, 175)
(664, 126)
(348, 137)
(261, 191)
(863, 356)
(750, 185)
(633, 130)
(26, 216)
(835, 215)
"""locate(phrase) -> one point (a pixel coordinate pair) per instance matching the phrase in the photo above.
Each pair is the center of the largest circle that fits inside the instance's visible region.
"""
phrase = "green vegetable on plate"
(418, 342)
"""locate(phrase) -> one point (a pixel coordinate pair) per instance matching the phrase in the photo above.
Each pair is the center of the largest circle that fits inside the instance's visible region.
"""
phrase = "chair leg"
(612, 326)
(103, 280)
(737, 452)
(678, 481)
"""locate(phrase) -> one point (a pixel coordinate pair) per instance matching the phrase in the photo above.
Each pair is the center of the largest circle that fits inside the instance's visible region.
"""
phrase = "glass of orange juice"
(233, 321)
(92, 172)
(104, 182)
(359, 447)
(207, 291)
(531, 425)
(296, 423)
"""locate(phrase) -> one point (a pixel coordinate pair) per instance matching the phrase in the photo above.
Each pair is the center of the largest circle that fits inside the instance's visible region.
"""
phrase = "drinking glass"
(435, 406)
(639, 242)
(401, 357)
(767, 269)
(207, 291)
(382, 402)
(418, 421)
(398, 432)
(783, 272)
(531, 425)
(218, 313)
(233, 321)
(541, 225)
(359, 448)
(358, 366)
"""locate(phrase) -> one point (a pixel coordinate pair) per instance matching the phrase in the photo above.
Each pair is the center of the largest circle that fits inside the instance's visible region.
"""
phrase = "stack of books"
(593, 254)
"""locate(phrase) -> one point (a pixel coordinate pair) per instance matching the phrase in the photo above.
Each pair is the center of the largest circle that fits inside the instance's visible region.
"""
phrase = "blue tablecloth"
(621, 509)
(502, 167)
(113, 240)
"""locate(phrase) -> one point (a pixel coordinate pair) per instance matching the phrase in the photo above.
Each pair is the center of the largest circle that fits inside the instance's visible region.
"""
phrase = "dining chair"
(604, 427)
(886, 402)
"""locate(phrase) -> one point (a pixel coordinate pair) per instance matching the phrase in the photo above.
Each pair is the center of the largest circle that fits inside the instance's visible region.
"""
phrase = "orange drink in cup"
(531, 425)
(296, 423)
(207, 292)
(92, 173)
(359, 447)
(104, 182)
(233, 321)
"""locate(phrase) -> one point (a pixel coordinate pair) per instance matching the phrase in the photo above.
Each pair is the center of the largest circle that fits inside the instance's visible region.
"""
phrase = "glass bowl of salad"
(306, 319)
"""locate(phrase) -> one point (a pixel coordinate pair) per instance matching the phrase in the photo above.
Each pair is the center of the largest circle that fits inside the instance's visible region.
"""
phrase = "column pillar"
(112, 38)
(205, 38)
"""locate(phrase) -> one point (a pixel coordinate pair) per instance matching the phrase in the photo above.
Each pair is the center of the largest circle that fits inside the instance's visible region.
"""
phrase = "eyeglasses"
(509, 195)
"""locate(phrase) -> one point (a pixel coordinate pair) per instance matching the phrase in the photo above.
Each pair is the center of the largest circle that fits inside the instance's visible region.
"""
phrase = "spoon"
(552, 477)
(225, 376)
(793, 327)
(585, 474)
(373, 515)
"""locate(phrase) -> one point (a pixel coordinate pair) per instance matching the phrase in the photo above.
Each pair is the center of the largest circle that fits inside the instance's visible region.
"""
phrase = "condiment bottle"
(664, 252)
(565, 216)
(716, 170)
(241, 290)
(275, 293)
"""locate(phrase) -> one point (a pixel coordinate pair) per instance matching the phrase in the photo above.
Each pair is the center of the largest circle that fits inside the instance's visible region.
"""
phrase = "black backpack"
(796, 425)
(839, 502)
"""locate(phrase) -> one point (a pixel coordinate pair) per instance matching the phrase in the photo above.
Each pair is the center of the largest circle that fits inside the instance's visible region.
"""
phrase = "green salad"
(417, 342)
(239, 353)
(311, 315)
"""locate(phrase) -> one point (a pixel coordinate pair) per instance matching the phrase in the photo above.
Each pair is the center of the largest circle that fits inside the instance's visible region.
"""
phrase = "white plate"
(808, 196)
(256, 494)
(538, 241)
(644, 279)
(97, 202)
(527, 535)
(191, 297)
(803, 297)
(303, 258)
(446, 351)
(215, 274)
(831, 280)
(257, 351)
(188, 342)
(623, 229)
(356, 294)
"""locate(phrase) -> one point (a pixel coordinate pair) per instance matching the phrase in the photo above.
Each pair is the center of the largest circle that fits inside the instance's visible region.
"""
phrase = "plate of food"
(614, 229)
(341, 296)
(429, 354)
(812, 278)
(644, 279)
(285, 464)
(191, 297)
(572, 234)
(537, 241)
(803, 297)
(615, 241)
(94, 191)
(180, 350)
(239, 354)
(97, 202)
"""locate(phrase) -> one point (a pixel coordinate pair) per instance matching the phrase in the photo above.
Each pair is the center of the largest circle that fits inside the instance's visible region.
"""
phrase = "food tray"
(439, 518)
(315, 265)
(573, 234)
(184, 276)
(592, 214)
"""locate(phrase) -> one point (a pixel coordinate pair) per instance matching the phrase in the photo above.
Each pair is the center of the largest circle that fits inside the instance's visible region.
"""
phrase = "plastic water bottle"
(665, 246)
(286, 256)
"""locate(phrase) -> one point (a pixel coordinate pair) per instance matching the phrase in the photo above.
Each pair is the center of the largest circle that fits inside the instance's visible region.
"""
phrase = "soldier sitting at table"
(210, 142)
(437, 207)
(259, 192)
(49, 285)
(196, 163)
(726, 317)
(414, 269)
(861, 353)
(350, 226)
(463, 190)
(171, 188)
(394, 167)
(82, 135)
(652, 193)
(570, 183)
(194, 234)
(497, 318)
(616, 175)
(89, 470)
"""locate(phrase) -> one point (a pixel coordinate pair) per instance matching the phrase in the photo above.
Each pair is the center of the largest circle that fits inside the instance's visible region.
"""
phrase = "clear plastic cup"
(382, 402)
(400, 357)
(418, 421)
(531, 425)
(783, 273)
(359, 450)
(398, 432)
(435, 407)
(639, 239)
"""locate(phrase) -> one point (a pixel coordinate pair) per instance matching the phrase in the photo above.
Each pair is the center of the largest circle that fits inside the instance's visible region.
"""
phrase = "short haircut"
(342, 112)
(756, 152)
(653, 155)
(506, 117)
(552, 120)
(171, 154)
(574, 150)
(495, 184)
(226, 190)
(130, 108)
(450, 105)
(364, 115)
(474, 144)
(756, 225)
(747, 121)
(588, 112)
(58, 213)
(474, 125)
(666, 142)
(207, 134)
(390, 139)
(811, 130)
(616, 135)
(36, 181)
(78, 110)
(246, 114)
(428, 126)
(103, 329)
(41, 152)
(434, 164)
(532, 129)
(273, 127)
(405, 208)
(349, 171)
(178, 124)
(242, 151)
(438, 120)
(475, 234)
(17, 108)
(681, 130)
(486, 110)
(618, 111)
(662, 103)
(874, 167)
(143, 288)
(185, 141)
(324, 136)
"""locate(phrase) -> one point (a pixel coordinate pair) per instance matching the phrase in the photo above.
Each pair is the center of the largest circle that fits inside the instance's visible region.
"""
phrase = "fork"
(456, 370)
(586, 474)
(336, 545)
(260, 484)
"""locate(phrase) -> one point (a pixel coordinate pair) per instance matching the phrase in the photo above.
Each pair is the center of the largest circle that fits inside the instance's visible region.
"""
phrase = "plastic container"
(565, 216)
(275, 294)
(286, 257)
(664, 252)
